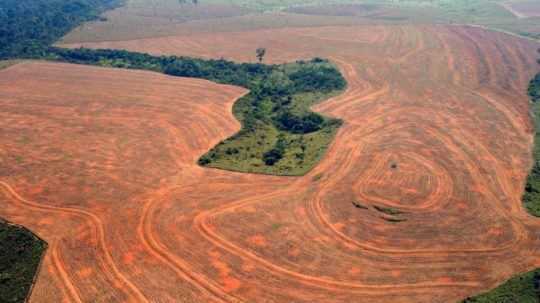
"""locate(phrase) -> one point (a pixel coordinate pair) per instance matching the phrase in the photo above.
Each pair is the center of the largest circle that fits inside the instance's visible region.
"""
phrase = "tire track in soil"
(117, 278)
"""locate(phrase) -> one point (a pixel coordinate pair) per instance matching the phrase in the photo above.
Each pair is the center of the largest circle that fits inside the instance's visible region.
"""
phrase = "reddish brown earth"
(101, 164)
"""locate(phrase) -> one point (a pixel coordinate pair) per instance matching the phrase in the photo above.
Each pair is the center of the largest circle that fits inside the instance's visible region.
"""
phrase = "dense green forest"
(531, 196)
(28, 27)
(20, 254)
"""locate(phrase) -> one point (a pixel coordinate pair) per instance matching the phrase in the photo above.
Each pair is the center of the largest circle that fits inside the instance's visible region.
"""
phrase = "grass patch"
(18, 159)
(388, 210)
(394, 219)
(20, 254)
(275, 226)
(359, 205)
(524, 288)
(317, 177)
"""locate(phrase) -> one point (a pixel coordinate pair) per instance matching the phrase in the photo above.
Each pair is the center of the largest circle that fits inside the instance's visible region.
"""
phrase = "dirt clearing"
(435, 148)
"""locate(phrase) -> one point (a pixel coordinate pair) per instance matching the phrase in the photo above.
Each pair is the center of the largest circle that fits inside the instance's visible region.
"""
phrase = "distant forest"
(28, 27)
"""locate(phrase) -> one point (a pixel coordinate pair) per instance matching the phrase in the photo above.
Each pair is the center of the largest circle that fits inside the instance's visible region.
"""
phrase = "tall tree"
(260, 52)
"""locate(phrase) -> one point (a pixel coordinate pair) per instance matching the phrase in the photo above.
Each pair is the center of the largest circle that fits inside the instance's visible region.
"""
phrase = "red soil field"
(101, 163)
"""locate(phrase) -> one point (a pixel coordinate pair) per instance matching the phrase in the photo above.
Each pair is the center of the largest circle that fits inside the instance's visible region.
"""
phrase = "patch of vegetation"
(534, 89)
(359, 205)
(28, 27)
(276, 226)
(280, 135)
(20, 254)
(7, 63)
(336, 9)
(394, 219)
(220, 71)
(317, 177)
(388, 210)
(524, 288)
(531, 196)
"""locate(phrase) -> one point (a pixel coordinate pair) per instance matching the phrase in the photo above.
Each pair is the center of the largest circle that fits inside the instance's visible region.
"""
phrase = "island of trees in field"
(279, 135)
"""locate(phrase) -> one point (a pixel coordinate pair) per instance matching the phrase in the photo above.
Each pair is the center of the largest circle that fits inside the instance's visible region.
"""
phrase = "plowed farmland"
(417, 200)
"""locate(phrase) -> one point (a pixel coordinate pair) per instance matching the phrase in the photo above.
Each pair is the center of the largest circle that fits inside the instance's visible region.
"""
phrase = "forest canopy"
(28, 27)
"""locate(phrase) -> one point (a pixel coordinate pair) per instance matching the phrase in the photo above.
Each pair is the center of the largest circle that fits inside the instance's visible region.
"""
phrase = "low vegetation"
(393, 219)
(523, 288)
(531, 196)
(388, 210)
(280, 135)
(20, 254)
(359, 205)
(390, 214)
(7, 63)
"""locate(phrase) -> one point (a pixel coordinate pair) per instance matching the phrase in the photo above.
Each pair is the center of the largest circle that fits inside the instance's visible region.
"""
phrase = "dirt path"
(508, 7)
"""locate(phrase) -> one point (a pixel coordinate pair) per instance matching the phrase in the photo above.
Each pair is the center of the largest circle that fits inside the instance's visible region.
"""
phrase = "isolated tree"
(260, 52)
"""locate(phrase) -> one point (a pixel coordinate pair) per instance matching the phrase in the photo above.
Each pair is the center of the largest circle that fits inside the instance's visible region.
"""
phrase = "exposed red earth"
(101, 163)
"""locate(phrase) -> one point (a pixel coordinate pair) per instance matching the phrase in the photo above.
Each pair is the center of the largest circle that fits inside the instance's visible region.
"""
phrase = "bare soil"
(102, 164)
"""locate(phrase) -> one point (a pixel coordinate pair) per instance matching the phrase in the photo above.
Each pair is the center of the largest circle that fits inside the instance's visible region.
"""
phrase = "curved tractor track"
(415, 201)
